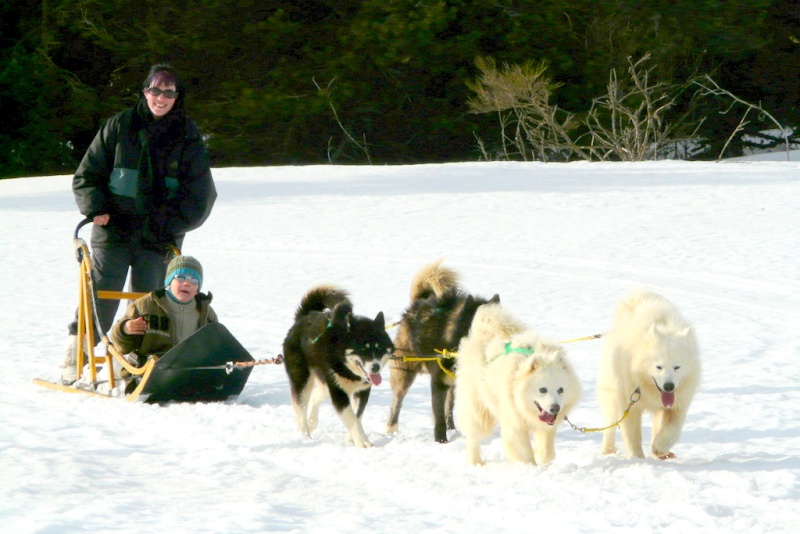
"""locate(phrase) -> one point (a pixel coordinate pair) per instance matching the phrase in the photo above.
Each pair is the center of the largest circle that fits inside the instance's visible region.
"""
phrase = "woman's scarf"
(157, 138)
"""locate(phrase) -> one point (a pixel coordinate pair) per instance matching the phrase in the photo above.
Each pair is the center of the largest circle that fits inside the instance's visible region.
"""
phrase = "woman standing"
(144, 181)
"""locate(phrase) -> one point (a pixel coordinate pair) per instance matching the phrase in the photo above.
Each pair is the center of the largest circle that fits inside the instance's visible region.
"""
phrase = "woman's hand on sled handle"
(101, 220)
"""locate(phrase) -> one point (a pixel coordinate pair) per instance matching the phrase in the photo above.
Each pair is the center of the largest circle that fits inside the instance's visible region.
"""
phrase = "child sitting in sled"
(158, 321)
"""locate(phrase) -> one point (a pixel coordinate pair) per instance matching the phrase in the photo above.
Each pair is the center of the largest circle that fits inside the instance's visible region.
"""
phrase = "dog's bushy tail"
(320, 298)
(492, 320)
(433, 280)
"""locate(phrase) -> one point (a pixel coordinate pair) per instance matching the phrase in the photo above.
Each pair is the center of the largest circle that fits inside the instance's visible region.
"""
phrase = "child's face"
(183, 290)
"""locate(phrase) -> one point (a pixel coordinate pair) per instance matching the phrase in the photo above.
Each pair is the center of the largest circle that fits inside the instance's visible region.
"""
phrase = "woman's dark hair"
(164, 74)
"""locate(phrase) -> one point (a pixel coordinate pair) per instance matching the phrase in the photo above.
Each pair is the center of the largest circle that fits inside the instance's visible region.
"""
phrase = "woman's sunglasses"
(168, 93)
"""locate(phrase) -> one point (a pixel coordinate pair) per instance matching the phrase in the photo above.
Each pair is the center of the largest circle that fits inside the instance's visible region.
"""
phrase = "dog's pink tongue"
(548, 418)
(376, 379)
(667, 399)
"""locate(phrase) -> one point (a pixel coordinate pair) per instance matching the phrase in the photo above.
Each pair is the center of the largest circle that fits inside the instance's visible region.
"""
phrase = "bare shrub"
(531, 128)
(630, 121)
(326, 93)
(710, 88)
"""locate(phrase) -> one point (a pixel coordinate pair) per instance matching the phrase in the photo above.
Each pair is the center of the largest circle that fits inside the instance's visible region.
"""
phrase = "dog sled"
(210, 365)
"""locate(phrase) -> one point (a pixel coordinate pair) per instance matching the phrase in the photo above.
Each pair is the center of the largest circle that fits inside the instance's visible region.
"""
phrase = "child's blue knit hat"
(184, 265)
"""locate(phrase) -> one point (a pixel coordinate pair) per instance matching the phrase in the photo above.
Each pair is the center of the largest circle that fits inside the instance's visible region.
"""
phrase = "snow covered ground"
(560, 243)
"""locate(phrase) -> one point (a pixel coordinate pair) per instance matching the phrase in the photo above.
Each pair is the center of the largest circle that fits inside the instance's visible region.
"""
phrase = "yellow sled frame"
(86, 318)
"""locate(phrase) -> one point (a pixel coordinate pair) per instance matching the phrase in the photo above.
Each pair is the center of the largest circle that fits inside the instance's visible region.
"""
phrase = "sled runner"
(210, 365)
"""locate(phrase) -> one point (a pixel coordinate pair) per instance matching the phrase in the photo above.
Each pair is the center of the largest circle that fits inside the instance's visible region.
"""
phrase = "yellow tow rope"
(635, 396)
(449, 354)
(585, 338)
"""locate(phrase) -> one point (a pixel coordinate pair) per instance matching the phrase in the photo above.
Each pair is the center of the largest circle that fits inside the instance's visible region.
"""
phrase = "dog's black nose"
(669, 386)
(376, 368)
(555, 408)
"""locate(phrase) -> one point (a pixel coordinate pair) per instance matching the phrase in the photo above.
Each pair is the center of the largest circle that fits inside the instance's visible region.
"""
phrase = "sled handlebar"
(81, 224)
(77, 243)
(172, 247)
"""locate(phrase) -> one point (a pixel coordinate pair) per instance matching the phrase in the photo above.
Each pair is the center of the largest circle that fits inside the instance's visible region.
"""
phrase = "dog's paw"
(361, 443)
(474, 459)
(664, 455)
(312, 425)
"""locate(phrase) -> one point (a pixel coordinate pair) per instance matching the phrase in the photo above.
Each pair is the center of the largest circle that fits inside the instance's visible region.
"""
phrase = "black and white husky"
(338, 353)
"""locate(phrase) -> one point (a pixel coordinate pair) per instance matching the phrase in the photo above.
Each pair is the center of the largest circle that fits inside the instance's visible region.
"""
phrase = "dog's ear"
(379, 320)
(535, 363)
(683, 332)
(653, 332)
(559, 356)
(495, 299)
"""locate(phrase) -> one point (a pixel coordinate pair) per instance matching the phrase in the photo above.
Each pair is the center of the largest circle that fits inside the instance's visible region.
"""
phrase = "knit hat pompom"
(184, 265)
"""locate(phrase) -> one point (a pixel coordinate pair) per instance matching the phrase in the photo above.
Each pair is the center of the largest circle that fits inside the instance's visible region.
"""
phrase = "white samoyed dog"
(652, 350)
(507, 375)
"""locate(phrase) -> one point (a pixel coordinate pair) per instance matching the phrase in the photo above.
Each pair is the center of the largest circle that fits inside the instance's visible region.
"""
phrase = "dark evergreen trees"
(317, 81)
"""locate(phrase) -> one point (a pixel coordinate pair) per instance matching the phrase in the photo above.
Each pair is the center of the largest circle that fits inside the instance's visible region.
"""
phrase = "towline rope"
(452, 354)
(232, 366)
(449, 354)
(586, 338)
(635, 396)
